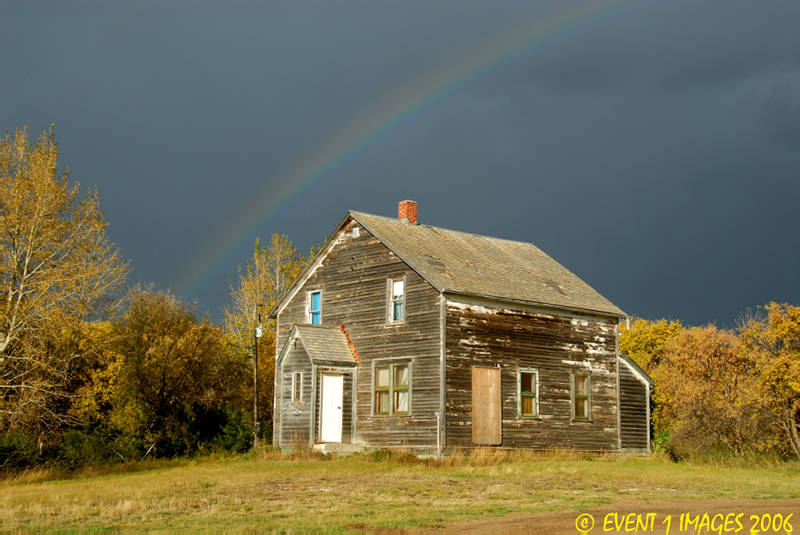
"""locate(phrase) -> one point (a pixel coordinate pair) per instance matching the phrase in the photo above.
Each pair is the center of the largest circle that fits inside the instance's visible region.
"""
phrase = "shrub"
(221, 429)
(17, 451)
(80, 449)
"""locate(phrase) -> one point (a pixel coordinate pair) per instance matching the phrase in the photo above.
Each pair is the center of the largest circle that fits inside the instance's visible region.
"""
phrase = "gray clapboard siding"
(295, 416)
(634, 427)
(556, 346)
(353, 280)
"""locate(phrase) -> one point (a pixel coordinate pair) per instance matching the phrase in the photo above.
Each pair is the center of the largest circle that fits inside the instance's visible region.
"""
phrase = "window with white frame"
(391, 386)
(528, 393)
(315, 308)
(397, 299)
(581, 396)
(297, 387)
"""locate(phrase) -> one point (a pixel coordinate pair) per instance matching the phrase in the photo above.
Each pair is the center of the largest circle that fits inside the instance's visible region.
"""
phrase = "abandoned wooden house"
(399, 334)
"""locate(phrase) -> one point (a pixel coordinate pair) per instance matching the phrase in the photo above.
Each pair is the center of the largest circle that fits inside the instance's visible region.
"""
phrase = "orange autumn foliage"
(708, 395)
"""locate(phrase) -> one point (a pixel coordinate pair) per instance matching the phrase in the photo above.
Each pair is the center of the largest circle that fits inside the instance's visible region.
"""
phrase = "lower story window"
(529, 393)
(391, 387)
(297, 386)
(581, 397)
(400, 388)
(382, 389)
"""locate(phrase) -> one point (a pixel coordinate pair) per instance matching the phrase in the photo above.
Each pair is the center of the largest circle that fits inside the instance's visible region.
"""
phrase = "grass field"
(277, 493)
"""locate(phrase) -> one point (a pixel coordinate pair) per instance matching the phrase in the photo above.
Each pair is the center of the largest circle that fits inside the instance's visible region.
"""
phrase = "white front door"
(332, 402)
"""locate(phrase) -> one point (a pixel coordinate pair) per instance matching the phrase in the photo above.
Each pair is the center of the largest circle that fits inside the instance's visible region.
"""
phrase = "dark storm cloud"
(654, 149)
(782, 111)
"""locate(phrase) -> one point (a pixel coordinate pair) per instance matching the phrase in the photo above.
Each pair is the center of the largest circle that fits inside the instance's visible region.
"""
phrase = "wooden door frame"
(322, 403)
(316, 409)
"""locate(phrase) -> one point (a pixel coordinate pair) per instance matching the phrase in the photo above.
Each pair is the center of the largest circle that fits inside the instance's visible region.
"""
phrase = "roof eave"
(285, 349)
(638, 370)
(609, 313)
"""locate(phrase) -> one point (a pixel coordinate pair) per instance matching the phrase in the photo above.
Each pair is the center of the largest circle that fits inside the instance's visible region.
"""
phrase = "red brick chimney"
(407, 210)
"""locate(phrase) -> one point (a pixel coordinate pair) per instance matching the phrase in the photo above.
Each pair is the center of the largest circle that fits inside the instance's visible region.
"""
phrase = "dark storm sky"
(653, 149)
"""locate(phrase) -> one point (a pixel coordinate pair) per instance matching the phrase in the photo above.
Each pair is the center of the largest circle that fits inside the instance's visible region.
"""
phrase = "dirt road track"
(563, 523)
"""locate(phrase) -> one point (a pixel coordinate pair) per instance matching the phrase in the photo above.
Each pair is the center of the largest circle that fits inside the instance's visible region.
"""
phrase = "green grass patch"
(302, 493)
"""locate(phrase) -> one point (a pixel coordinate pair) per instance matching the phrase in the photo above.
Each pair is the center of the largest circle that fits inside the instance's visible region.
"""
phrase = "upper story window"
(315, 308)
(581, 397)
(397, 299)
(528, 393)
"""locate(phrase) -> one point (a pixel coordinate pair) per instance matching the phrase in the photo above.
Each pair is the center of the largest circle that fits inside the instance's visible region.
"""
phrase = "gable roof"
(468, 264)
(322, 344)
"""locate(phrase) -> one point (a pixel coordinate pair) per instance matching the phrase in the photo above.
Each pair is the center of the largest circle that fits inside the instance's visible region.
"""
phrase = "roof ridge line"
(452, 230)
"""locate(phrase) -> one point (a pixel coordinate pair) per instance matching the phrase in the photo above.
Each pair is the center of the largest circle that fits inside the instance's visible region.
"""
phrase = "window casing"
(314, 312)
(297, 387)
(397, 300)
(391, 389)
(581, 396)
(528, 388)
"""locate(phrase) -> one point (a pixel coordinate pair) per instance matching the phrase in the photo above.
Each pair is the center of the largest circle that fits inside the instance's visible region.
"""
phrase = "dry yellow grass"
(302, 493)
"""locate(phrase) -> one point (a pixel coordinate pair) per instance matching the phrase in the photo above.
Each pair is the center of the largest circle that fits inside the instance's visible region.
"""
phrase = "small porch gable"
(322, 360)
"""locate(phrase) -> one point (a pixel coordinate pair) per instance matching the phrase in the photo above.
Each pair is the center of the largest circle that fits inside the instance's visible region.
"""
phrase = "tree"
(264, 280)
(94, 399)
(774, 344)
(646, 341)
(57, 267)
(707, 394)
(172, 368)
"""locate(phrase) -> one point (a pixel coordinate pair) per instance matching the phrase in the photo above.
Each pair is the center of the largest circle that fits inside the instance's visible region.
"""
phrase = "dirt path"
(564, 523)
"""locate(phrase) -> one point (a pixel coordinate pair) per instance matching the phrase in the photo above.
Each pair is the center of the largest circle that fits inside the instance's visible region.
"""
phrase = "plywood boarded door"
(487, 419)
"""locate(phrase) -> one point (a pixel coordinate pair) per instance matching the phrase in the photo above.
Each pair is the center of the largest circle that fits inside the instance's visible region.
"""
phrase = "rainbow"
(318, 164)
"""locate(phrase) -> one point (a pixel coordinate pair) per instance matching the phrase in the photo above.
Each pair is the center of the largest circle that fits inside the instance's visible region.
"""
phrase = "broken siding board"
(353, 278)
(634, 425)
(556, 346)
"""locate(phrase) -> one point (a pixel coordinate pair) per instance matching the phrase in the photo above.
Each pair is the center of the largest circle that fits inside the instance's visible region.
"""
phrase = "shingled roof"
(322, 344)
(469, 264)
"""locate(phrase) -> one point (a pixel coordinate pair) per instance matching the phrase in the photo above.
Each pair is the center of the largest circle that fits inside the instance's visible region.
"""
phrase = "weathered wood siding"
(353, 280)
(347, 400)
(484, 334)
(295, 417)
(634, 426)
